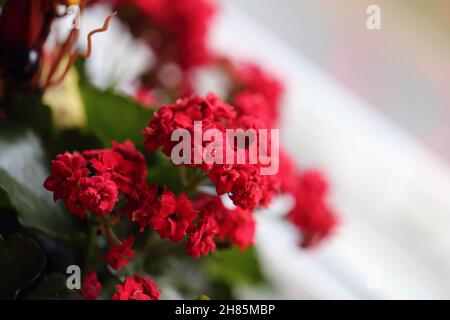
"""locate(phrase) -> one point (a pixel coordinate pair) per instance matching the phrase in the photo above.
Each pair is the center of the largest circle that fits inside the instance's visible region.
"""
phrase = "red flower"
(254, 104)
(120, 254)
(211, 111)
(91, 286)
(69, 180)
(169, 215)
(258, 92)
(287, 173)
(142, 204)
(123, 163)
(311, 213)
(175, 29)
(234, 225)
(174, 216)
(244, 183)
(98, 194)
(66, 172)
(137, 288)
(92, 180)
(201, 238)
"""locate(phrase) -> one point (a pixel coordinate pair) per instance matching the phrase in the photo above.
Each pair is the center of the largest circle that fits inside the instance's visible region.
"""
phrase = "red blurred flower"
(91, 286)
(120, 254)
(201, 237)
(234, 225)
(137, 288)
(288, 173)
(245, 185)
(175, 29)
(311, 213)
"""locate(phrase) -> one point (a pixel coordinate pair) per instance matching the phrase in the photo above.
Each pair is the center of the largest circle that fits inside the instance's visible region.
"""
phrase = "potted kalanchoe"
(136, 199)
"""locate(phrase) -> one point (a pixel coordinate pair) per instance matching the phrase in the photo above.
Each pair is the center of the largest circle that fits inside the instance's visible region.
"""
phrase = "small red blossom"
(137, 288)
(66, 172)
(168, 214)
(211, 111)
(91, 181)
(201, 237)
(123, 163)
(234, 225)
(120, 254)
(174, 216)
(259, 93)
(91, 286)
(142, 204)
(244, 183)
(176, 30)
(98, 194)
(311, 213)
(287, 174)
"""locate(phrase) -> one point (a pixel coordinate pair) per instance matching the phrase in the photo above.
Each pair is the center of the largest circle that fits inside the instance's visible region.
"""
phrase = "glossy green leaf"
(52, 286)
(234, 266)
(5, 202)
(23, 169)
(21, 262)
(113, 117)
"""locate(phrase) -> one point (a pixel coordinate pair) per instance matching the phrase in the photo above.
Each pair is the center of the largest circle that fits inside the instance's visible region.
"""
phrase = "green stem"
(91, 244)
(113, 240)
(183, 176)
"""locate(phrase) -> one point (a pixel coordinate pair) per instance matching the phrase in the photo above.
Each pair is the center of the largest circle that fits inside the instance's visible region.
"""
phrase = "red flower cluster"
(201, 238)
(256, 93)
(311, 213)
(120, 254)
(91, 286)
(178, 27)
(137, 288)
(168, 214)
(235, 226)
(211, 111)
(244, 183)
(91, 181)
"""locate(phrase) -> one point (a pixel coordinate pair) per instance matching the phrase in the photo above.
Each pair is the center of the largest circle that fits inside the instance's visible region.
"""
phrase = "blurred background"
(371, 108)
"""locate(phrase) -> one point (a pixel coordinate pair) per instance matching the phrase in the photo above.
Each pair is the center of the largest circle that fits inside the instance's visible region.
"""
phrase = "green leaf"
(75, 140)
(163, 173)
(52, 286)
(234, 267)
(5, 202)
(21, 262)
(113, 117)
(22, 173)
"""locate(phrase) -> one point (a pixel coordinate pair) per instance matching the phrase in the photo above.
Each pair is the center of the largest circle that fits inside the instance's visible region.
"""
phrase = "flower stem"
(113, 240)
(91, 244)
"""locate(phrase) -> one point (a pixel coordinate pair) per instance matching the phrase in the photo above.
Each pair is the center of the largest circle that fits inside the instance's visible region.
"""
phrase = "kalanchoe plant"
(133, 218)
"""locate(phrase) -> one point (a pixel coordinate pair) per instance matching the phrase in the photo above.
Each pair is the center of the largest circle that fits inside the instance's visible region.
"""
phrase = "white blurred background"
(372, 109)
